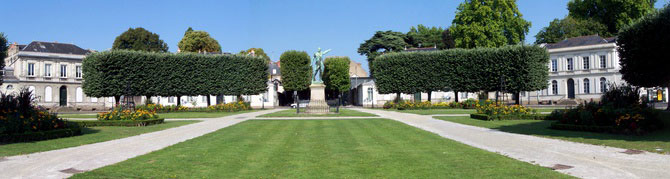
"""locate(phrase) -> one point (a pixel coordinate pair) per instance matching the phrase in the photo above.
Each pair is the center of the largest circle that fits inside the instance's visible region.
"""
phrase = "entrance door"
(571, 89)
(63, 96)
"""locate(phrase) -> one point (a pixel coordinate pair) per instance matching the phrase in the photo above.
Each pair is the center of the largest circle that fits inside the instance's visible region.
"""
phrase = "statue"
(317, 66)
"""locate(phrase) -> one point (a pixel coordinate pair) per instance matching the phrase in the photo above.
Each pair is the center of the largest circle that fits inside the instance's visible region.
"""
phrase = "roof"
(581, 41)
(274, 66)
(53, 47)
(357, 81)
(420, 49)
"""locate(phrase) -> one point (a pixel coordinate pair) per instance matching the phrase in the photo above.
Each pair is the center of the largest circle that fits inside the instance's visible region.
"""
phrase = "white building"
(53, 72)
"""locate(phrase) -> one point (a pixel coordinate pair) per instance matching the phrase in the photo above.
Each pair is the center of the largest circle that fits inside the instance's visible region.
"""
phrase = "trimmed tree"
(336, 76)
(257, 52)
(642, 52)
(296, 70)
(198, 41)
(488, 23)
(141, 40)
(3, 53)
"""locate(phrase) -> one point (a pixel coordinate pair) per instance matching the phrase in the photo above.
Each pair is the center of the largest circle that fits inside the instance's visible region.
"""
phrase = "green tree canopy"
(258, 52)
(643, 50)
(614, 14)
(448, 40)
(3, 53)
(383, 42)
(139, 39)
(336, 74)
(488, 23)
(422, 36)
(198, 41)
(296, 70)
(569, 27)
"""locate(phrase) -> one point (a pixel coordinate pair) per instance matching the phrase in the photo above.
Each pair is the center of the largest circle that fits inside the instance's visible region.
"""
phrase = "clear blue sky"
(275, 26)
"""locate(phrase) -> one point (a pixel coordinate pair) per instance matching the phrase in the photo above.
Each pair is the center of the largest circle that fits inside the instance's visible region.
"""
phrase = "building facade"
(53, 72)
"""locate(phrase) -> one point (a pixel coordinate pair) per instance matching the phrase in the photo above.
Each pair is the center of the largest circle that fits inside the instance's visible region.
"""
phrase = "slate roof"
(581, 41)
(53, 47)
(274, 66)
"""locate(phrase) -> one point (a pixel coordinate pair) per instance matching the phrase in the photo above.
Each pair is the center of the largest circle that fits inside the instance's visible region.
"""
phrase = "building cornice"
(50, 55)
(579, 48)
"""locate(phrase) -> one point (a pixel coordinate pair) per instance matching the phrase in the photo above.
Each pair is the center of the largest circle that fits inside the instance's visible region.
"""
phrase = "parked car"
(303, 104)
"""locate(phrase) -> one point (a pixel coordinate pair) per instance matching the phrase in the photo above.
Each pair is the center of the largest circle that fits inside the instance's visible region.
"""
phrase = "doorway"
(63, 96)
(571, 89)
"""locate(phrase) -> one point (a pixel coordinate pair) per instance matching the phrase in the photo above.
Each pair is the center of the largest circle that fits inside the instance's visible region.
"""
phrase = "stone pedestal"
(317, 101)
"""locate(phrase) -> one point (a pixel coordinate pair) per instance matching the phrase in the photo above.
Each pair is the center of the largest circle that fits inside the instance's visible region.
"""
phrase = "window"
(31, 69)
(554, 65)
(586, 86)
(63, 71)
(170, 99)
(586, 63)
(32, 91)
(554, 87)
(48, 94)
(204, 99)
(79, 95)
(370, 94)
(78, 71)
(603, 61)
(10, 87)
(47, 70)
(569, 64)
(603, 85)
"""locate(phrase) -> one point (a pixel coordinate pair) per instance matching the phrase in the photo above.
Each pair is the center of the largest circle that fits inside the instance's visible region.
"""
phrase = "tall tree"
(336, 76)
(422, 36)
(3, 53)
(296, 70)
(383, 42)
(448, 40)
(198, 41)
(139, 39)
(257, 52)
(488, 23)
(615, 14)
(643, 52)
(569, 27)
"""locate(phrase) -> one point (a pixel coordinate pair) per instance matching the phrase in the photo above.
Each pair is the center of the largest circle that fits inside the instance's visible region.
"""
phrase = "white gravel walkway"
(63, 163)
(587, 161)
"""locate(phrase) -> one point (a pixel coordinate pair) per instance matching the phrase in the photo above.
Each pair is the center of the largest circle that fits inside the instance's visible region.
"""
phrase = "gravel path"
(63, 163)
(576, 159)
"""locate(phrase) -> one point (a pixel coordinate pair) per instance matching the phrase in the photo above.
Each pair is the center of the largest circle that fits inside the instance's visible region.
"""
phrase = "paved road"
(588, 161)
(50, 164)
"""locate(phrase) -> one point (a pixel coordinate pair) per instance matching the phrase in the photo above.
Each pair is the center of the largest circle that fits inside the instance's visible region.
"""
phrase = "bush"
(19, 115)
(119, 122)
(126, 114)
(619, 110)
(497, 111)
(401, 105)
(228, 107)
(509, 117)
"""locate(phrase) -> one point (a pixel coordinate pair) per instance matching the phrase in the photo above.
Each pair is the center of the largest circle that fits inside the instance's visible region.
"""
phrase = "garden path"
(63, 163)
(576, 159)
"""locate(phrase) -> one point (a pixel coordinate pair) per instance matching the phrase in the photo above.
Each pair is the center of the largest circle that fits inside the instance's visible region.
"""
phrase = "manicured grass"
(367, 148)
(436, 111)
(172, 115)
(89, 136)
(343, 113)
(649, 142)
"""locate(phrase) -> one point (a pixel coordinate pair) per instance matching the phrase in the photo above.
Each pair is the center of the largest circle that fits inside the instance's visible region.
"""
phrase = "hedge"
(129, 123)
(522, 68)
(73, 130)
(509, 117)
(109, 73)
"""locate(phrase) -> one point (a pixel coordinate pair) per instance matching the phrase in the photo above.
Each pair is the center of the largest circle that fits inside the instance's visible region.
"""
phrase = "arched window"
(603, 85)
(48, 94)
(587, 87)
(32, 90)
(79, 94)
(554, 87)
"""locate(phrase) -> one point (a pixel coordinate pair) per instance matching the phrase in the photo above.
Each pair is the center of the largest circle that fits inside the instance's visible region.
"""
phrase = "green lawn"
(452, 111)
(90, 135)
(172, 115)
(649, 142)
(370, 148)
(343, 113)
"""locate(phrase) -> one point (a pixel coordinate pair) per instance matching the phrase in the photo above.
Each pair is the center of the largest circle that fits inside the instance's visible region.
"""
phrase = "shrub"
(18, 115)
(147, 122)
(127, 114)
(401, 105)
(228, 107)
(497, 111)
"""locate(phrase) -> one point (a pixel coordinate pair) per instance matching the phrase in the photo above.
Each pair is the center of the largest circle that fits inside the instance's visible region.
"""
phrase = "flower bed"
(228, 107)
(489, 110)
(402, 105)
(509, 117)
(129, 123)
(620, 111)
(21, 121)
(118, 114)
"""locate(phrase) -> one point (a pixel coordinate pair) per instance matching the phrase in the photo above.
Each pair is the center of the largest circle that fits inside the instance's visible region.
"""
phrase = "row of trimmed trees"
(510, 69)
(121, 72)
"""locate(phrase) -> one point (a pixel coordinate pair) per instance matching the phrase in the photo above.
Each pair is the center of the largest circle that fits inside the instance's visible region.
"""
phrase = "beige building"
(53, 72)
(356, 70)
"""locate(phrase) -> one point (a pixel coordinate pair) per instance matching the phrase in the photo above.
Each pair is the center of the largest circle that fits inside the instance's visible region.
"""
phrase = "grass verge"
(171, 115)
(343, 113)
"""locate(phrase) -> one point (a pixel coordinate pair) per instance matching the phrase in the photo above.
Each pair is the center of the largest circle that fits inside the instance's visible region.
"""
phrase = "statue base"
(317, 101)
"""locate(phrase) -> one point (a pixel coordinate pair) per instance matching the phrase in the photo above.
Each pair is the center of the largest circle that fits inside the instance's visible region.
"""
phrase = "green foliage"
(488, 23)
(141, 40)
(296, 70)
(336, 74)
(422, 36)
(643, 52)
(19, 115)
(3, 53)
(383, 42)
(127, 123)
(522, 68)
(615, 14)
(569, 27)
(258, 52)
(160, 74)
(447, 39)
(198, 41)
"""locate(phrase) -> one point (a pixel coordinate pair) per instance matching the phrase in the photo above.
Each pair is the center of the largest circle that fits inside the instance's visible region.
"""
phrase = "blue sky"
(275, 26)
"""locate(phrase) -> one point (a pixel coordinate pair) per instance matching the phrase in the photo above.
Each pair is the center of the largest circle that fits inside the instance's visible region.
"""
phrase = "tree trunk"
(339, 102)
(455, 96)
(517, 98)
(208, 101)
(429, 95)
(397, 97)
(178, 100)
(147, 100)
(117, 100)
